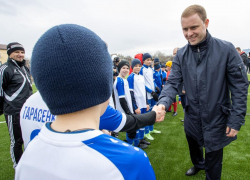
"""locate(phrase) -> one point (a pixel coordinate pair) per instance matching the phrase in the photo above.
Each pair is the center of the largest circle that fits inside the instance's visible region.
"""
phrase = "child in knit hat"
(72, 147)
(163, 74)
(139, 96)
(121, 89)
(157, 76)
(123, 99)
(147, 72)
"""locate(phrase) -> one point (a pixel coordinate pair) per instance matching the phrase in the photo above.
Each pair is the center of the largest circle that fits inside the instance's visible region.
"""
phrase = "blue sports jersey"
(157, 79)
(121, 90)
(87, 154)
(137, 85)
(164, 75)
(35, 113)
(112, 120)
(147, 72)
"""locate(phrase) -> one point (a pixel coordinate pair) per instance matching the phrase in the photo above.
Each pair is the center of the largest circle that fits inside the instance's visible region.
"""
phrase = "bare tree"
(163, 57)
(122, 57)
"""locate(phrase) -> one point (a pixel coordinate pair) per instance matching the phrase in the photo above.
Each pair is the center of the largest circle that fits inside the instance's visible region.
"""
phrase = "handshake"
(160, 112)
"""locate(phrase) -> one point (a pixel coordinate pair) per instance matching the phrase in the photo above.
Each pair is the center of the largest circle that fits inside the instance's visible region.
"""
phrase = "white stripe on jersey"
(149, 79)
(123, 122)
(140, 91)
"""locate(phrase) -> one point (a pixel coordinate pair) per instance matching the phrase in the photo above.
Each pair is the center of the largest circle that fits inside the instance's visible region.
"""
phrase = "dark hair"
(116, 59)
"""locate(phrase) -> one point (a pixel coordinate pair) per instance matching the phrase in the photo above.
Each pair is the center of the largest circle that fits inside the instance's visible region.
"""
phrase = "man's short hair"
(238, 48)
(177, 48)
(193, 9)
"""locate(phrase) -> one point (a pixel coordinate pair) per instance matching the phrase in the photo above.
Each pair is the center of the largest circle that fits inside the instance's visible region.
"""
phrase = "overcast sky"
(128, 26)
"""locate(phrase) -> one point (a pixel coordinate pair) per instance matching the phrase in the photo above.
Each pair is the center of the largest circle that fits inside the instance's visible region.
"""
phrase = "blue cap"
(157, 63)
(146, 56)
(134, 62)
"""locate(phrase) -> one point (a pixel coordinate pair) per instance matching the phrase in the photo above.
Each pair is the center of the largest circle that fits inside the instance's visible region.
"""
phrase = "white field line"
(2, 121)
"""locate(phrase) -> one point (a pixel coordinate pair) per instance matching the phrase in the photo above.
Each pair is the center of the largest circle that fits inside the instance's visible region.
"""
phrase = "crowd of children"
(136, 88)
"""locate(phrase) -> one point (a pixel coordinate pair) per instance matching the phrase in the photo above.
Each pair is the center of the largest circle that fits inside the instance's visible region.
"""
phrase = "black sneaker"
(143, 141)
(142, 146)
(174, 114)
(169, 111)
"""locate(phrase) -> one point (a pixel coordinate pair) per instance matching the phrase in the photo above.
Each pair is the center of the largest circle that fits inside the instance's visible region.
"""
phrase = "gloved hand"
(157, 90)
(155, 95)
(164, 79)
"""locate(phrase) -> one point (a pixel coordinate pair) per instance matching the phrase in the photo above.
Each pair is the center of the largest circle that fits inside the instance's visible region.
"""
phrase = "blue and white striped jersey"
(157, 79)
(87, 154)
(164, 75)
(35, 113)
(147, 72)
(121, 90)
(137, 85)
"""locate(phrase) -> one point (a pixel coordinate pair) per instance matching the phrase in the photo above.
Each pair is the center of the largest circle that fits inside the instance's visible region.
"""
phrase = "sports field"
(168, 153)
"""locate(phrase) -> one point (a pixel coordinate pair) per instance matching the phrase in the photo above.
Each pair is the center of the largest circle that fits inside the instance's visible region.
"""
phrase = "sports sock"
(130, 141)
(137, 140)
(175, 106)
(146, 129)
(141, 133)
(151, 127)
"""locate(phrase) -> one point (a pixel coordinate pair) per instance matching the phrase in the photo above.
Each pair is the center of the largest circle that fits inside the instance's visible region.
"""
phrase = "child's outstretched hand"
(138, 111)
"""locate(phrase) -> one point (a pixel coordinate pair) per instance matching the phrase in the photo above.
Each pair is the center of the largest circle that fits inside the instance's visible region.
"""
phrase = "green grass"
(168, 153)
(6, 165)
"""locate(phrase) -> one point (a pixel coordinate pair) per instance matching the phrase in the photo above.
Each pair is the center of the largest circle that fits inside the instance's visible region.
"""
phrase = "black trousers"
(16, 140)
(183, 100)
(212, 162)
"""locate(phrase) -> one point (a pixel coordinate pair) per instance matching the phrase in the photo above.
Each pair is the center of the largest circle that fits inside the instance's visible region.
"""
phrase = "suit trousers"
(212, 162)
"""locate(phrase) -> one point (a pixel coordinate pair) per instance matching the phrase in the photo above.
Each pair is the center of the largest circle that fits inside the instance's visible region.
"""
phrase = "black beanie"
(11, 47)
(63, 67)
(123, 63)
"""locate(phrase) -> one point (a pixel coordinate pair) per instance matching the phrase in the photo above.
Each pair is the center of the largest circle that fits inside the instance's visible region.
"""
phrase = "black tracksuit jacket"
(15, 86)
